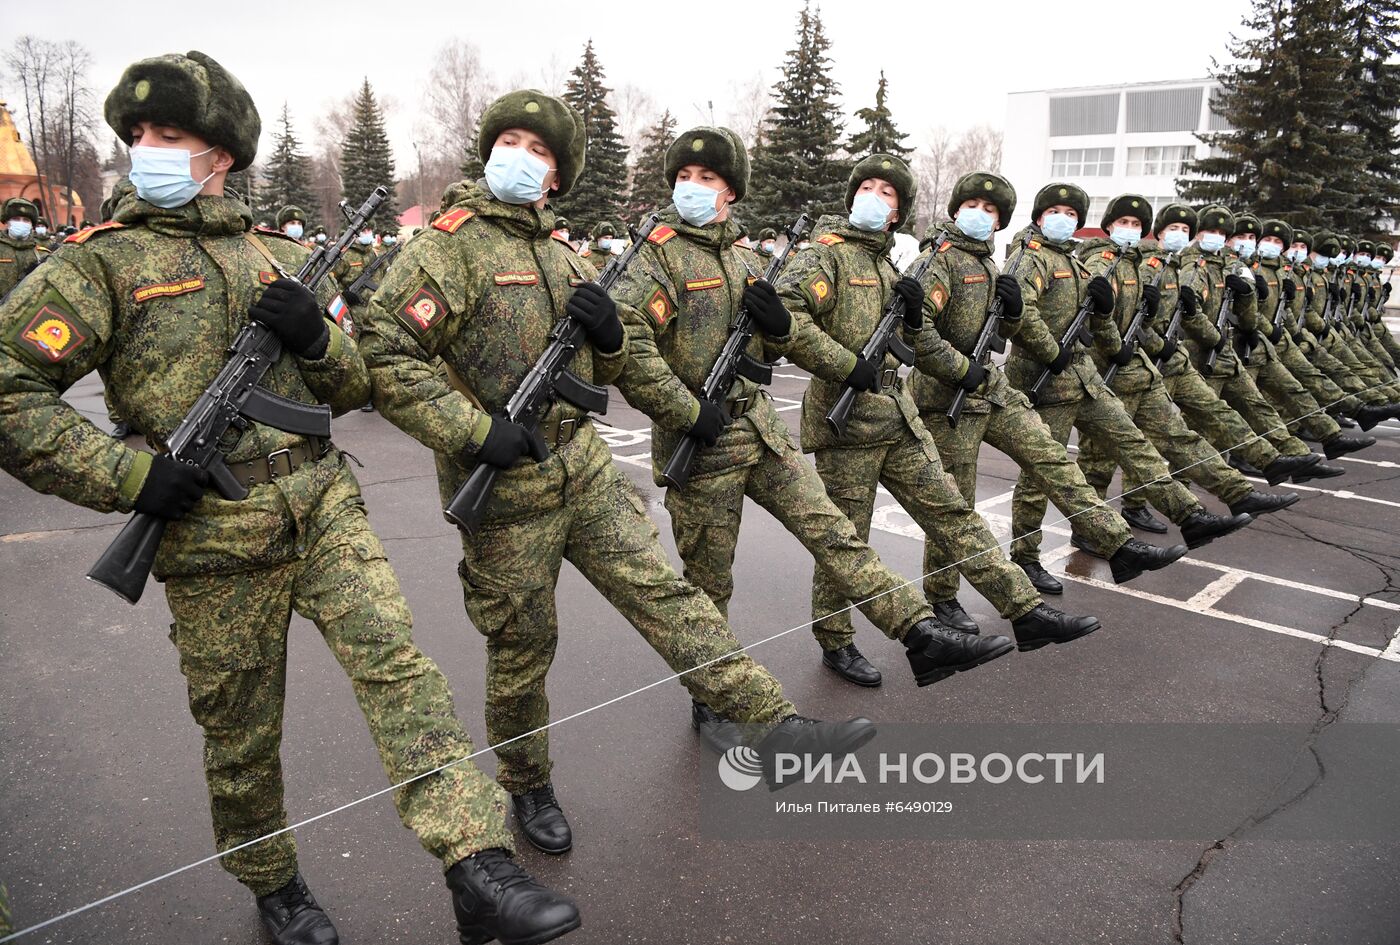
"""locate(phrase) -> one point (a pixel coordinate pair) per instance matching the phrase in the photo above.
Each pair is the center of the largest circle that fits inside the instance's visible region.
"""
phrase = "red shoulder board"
(452, 220)
(830, 239)
(1287, 268)
(1107, 254)
(1155, 263)
(660, 234)
(1033, 244)
(82, 235)
(943, 246)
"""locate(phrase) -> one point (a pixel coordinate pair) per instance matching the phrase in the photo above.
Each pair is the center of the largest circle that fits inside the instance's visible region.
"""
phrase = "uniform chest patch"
(576, 281)
(1062, 273)
(1107, 254)
(974, 280)
(53, 333)
(701, 285)
(1130, 282)
(517, 278)
(163, 289)
(423, 310)
(7, 259)
(866, 282)
(659, 307)
(1155, 263)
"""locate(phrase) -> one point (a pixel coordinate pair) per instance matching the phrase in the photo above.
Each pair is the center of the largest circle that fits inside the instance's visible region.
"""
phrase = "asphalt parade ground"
(1295, 620)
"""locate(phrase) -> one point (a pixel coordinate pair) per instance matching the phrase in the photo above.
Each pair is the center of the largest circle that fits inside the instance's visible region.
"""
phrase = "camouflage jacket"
(152, 302)
(1169, 265)
(1276, 271)
(347, 270)
(836, 290)
(1204, 273)
(1313, 311)
(679, 300)
(959, 286)
(478, 291)
(1126, 269)
(1053, 285)
(17, 259)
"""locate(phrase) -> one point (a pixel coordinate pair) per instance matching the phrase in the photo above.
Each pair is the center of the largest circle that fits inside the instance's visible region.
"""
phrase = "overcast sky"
(948, 63)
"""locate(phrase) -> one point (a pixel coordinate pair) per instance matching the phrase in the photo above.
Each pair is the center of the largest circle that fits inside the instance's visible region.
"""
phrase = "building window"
(1084, 114)
(1164, 109)
(1082, 162)
(1160, 161)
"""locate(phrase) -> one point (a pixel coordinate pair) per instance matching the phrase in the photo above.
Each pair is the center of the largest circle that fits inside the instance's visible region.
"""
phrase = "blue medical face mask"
(320, 237)
(19, 228)
(975, 223)
(366, 238)
(294, 230)
(1175, 241)
(695, 202)
(1245, 248)
(869, 212)
(515, 175)
(162, 175)
(1339, 260)
(41, 231)
(1322, 262)
(1362, 259)
(1377, 263)
(1270, 251)
(1058, 227)
(768, 247)
(1126, 236)
(1296, 255)
(604, 242)
(1212, 242)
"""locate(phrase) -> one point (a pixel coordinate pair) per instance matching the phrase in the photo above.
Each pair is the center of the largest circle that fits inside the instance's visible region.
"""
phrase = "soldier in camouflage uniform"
(481, 290)
(1298, 408)
(18, 249)
(767, 241)
(352, 263)
(1201, 407)
(960, 284)
(1136, 280)
(837, 290)
(291, 221)
(1368, 302)
(152, 301)
(1054, 286)
(1381, 277)
(1343, 299)
(678, 301)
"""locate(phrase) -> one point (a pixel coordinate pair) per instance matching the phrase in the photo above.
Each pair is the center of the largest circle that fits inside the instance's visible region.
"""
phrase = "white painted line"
(640, 459)
(1210, 595)
(1393, 650)
(1335, 493)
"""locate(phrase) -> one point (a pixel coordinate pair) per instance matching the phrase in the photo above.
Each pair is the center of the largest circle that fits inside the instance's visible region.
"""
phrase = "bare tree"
(636, 112)
(74, 115)
(459, 89)
(554, 73)
(31, 61)
(751, 102)
(944, 158)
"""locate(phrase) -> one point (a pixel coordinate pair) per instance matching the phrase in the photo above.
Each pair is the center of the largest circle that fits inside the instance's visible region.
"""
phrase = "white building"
(1108, 139)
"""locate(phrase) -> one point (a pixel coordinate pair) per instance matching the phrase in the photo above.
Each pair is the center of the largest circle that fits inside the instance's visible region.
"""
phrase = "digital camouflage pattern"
(152, 304)
(479, 291)
(836, 291)
(1053, 285)
(958, 288)
(352, 263)
(678, 300)
(17, 259)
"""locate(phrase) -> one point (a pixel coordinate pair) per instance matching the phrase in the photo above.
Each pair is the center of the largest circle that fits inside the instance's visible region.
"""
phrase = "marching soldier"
(152, 301)
(768, 241)
(960, 284)
(292, 222)
(679, 301)
(1345, 367)
(352, 263)
(1054, 287)
(1381, 276)
(836, 292)
(18, 252)
(481, 290)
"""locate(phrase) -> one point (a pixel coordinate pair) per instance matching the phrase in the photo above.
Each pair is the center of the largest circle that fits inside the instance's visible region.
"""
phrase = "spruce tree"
(799, 167)
(366, 161)
(1371, 95)
(286, 175)
(880, 134)
(601, 192)
(1285, 154)
(649, 188)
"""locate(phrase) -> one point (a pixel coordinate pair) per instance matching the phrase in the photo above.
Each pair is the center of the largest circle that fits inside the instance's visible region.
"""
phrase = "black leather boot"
(1141, 518)
(292, 917)
(1242, 467)
(1341, 444)
(935, 652)
(851, 665)
(1318, 471)
(1262, 503)
(1202, 528)
(1044, 581)
(542, 820)
(950, 613)
(798, 735)
(715, 730)
(1136, 557)
(1368, 416)
(1043, 624)
(1285, 466)
(495, 898)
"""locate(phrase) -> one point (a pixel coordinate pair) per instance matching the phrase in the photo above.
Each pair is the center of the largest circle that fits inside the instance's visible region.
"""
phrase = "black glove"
(1101, 291)
(1062, 359)
(171, 489)
(974, 377)
(1168, 349)
(1334, 291)
(864, 376)
(1371, 295)
(1009, 291)
(767, 311)
(1261, 288)
(1123, 355)
(1277, 334)
(1299, 338)
(1153, 297)
(1289, 288)
(709, 425)
(507, 443)
(594, 309)
(1385, 292)
(1239, 285)
(912, 292)
(1308, 294)
(1355, 292)
(1187, 297)
(291, 311)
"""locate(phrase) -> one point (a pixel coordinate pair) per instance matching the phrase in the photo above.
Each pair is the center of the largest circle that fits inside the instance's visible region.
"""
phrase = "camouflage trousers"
(1372, 370)
(1203, 410)
(705, 518)
(1020, 433)
(911, 470)
(1103, 418)
(1376, 346)
(1303, 414)
(509, 571)
(1364, 374)
(1239, 391)
(231, 633)
(6, 918)
(1322, 388)
(1388, 340)
(1346, 374)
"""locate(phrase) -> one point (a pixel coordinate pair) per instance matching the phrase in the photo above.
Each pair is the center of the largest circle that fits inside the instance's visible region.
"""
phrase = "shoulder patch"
(659, 307)
(660, 234)
(82, 236)
(424, 309)
(1154, 262)
(165, 289)
(818, 287)
(1062, 273)
(452, 220)
(54, 331)
(830, 239)
(1033, 244)
(1108, 254)
(939, 297)
(267, 277)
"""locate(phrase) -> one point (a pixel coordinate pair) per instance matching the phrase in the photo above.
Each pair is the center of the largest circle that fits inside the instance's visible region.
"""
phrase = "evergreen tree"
(366, 161)
(286, 175)
(649, 188)
(243, 185)
(1285, 154)
(1371, 95)
(880, 134)
(601, 192)
(799, 167)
